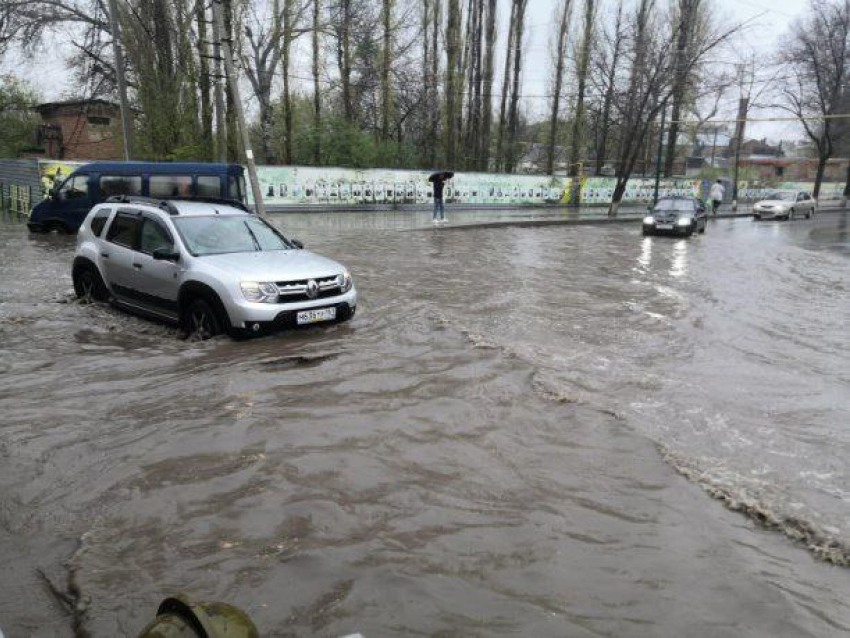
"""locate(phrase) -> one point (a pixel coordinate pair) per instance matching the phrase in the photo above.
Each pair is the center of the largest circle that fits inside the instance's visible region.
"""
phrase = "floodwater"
(520, 433)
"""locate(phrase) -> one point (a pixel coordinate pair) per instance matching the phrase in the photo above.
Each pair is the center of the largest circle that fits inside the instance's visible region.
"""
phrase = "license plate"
(314, 316)
(664, 226)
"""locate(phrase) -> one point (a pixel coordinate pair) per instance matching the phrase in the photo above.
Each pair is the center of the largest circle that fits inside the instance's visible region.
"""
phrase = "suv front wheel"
(200, 320)
(88, 284)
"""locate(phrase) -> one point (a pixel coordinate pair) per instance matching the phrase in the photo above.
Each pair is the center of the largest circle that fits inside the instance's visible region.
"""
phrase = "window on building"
(120, 185)
(96, 120)
(170, 186)
(780, 171)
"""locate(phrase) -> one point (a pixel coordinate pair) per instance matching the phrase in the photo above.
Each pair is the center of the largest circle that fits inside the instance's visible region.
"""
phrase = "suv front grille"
(290, 291)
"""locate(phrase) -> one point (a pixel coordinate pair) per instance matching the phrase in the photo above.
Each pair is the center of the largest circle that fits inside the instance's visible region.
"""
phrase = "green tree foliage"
(18, 121)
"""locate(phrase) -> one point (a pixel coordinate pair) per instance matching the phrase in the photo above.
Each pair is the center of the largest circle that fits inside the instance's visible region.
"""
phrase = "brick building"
(80, 130)
(795, 169)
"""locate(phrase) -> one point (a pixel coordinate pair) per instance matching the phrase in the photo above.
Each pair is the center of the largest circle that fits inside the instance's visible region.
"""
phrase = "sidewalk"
(580, 216)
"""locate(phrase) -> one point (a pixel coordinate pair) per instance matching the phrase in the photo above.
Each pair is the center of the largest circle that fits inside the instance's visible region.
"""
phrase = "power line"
(793, 118)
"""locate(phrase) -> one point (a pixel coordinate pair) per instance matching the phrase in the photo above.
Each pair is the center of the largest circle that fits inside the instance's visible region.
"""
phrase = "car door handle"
(137, 266)
(104, 255)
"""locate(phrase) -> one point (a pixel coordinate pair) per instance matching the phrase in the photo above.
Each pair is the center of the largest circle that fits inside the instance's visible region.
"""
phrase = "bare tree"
(650, 65)
(577, 137)
(560, 56)
(263, 34)
(689, 17)
(487, 87)
(506, 77)
(453, 64)
(816, 58)
(317, 98)
(513, 112)
(386, 66)
(608, 67)
(433, 105)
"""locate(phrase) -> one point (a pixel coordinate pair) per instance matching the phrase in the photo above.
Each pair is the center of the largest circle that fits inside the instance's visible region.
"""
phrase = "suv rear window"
(99, 221)
(124, 230)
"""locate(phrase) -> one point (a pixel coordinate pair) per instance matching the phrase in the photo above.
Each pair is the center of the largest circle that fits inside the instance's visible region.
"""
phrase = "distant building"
(535, 156)
(794, 169)
(80, 130)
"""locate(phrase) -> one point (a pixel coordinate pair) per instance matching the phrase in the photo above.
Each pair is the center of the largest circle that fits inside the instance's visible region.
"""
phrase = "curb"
(577, 221)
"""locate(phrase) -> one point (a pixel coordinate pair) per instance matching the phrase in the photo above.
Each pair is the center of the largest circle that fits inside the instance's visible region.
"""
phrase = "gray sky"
(768, 21)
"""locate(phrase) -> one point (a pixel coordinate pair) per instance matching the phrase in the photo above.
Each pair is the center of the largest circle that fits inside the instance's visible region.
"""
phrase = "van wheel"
(89, 285)
(200, 321)
(57, 227)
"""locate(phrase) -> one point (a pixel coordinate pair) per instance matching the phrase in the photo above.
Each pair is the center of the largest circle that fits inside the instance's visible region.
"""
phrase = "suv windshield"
(681, 205)
(784, 196)
(214, 234)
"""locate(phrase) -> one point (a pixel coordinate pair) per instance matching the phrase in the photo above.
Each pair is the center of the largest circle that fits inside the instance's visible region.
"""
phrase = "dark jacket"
(439, 181)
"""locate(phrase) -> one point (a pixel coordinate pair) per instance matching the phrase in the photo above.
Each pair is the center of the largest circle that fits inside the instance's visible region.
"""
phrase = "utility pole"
(237, 102)
(126, 123)
(220, 123)
(658, 156)
(713, 146)
(743, 105)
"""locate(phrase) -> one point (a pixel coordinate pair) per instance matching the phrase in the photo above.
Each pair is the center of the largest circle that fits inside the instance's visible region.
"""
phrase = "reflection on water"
(679, 264)
(645, 257)
(476, 453)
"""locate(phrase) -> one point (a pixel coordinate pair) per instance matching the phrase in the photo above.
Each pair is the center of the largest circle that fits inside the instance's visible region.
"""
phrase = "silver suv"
(210, 266)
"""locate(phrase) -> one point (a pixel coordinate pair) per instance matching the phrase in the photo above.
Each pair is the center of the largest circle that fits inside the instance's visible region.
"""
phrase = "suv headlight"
(347, 282)
(259, 292)
(685, 221)
(649, 219)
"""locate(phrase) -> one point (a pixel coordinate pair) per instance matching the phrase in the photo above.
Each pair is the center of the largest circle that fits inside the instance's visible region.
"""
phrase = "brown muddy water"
(518, 434)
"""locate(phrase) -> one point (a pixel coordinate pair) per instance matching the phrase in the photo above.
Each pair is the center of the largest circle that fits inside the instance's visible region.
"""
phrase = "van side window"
(120, 185)
(166, 186)
(235, 187)
(75, 187)
(99, 221)
(124, 230)
(209, 186)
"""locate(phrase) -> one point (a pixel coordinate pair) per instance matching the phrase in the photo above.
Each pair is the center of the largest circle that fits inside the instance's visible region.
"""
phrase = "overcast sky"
(768, 21)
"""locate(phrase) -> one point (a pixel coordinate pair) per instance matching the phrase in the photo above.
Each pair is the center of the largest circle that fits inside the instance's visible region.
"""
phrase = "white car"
(210, 266)
(785, 204)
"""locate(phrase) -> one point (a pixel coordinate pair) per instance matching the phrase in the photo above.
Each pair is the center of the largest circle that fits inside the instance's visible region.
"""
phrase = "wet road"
(515, 436)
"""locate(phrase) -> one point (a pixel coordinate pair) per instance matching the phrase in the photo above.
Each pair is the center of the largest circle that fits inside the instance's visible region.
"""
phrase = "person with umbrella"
(439, 181)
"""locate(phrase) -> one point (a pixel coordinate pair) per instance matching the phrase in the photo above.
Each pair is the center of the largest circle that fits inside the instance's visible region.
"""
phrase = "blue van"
(68, 204)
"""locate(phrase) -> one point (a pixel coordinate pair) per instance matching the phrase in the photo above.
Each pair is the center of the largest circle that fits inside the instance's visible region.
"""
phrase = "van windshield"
(216, 234)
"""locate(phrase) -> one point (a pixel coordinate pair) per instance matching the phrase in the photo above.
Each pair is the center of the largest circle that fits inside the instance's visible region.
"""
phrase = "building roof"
(47, 106)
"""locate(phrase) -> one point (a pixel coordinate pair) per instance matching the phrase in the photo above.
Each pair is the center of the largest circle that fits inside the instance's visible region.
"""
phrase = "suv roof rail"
(163, 204)
(215, 200)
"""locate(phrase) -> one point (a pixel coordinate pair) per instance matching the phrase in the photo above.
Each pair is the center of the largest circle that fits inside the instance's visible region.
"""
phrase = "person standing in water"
(439, 181)
(716, 194)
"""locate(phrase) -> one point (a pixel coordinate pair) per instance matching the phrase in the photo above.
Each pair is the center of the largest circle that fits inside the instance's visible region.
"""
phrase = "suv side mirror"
(297, 243)
(165, 254)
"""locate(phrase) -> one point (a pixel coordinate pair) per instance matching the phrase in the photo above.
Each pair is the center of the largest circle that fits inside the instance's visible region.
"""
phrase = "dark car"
(680, 216)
